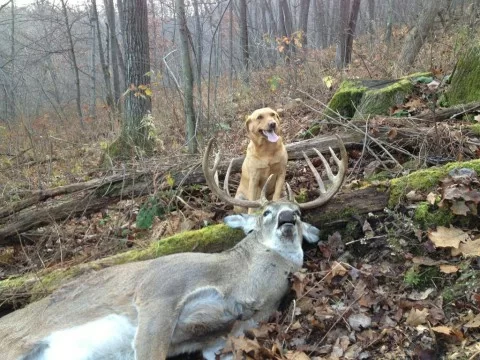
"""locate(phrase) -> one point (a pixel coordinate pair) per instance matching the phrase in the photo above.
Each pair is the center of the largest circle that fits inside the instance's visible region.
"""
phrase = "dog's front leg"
(277, 194)
(253, 190)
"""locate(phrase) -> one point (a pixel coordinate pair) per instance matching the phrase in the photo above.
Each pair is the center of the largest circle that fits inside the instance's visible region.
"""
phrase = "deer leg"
(155, 327)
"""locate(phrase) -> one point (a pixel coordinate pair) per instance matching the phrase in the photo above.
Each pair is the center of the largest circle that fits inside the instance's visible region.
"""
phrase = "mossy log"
(355, 98)
(465, 80)
(18, 291)
(15, 292)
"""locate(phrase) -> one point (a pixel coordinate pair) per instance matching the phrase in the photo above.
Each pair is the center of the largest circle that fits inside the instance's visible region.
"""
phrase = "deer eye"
(266, 213)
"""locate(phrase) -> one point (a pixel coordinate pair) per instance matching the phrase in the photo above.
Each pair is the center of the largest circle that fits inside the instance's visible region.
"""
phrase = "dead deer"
(177, 303)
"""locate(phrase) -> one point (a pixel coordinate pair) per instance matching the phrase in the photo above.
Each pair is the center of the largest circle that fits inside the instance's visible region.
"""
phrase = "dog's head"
(263, 125)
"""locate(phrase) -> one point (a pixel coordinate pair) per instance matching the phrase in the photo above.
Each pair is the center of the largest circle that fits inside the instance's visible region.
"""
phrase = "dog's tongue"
(271, 136)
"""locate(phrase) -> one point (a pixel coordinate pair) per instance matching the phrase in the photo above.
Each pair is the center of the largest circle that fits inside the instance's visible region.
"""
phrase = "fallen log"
(452, 112)
(111, 189)
(17, 292)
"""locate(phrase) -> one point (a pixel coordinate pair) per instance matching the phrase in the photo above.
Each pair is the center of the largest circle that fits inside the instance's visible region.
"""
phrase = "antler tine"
(337, 180)
(227, 176)
(263, 194)
(290, 193)
(321, 185)
(213, 185)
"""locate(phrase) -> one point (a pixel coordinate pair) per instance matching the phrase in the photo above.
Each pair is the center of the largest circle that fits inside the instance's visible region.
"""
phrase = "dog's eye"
(272, 114)
(266, 213)
(260, 117)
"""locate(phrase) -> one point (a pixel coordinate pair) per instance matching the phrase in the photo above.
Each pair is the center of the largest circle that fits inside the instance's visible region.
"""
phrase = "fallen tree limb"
(18, 291)
(452, 112)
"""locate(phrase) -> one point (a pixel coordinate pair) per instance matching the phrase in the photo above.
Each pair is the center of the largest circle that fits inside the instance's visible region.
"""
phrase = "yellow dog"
(266, 155)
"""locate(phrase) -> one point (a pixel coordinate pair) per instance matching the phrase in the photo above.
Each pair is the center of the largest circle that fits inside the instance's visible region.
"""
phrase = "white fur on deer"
(170, 305)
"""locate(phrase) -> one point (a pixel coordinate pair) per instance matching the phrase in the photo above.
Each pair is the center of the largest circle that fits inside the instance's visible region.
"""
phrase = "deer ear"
(310, 233)
(245, 222)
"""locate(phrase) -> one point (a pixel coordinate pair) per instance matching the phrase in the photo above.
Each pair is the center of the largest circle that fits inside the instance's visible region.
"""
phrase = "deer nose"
(272, 125)
(286, 217)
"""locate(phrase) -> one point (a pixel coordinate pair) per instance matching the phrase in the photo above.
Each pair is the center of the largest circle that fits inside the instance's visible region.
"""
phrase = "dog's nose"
(272, 125)
(286, 216)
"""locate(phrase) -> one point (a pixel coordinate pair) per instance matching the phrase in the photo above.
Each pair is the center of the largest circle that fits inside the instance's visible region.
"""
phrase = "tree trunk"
(244, 39)
(93, 72)
(13, 105)
(304, 10)
(416, 37)
(230, 45)
(199, 58)
(103, 63)
(352, 24)
(388, 31)
(73, 57)
(340, 56)
(188, 76)
(321, 17)
(110, 13)
(138, 105)
(371, 18)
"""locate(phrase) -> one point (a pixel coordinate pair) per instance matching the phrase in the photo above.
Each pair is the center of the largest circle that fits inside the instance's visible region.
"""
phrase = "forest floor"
(392, 292)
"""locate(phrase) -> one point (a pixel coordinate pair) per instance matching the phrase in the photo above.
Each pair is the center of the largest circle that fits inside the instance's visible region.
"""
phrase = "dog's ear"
(248, 119)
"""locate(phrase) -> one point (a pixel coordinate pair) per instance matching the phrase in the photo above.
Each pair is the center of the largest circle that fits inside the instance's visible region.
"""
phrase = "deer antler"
(337, 180)
(225, 195)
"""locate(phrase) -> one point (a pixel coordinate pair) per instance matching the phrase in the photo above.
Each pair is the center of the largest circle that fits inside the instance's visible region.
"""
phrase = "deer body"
(170, 305)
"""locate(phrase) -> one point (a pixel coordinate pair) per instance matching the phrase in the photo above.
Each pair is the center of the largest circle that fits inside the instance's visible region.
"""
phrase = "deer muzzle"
(286, 217)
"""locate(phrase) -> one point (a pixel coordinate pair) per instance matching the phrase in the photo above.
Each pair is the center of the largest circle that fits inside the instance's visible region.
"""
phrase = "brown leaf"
(473, 323)
(470, 248)
(338, 269)
(459, 208)
(447, 237)
(295, 355)
(448, 269)
(417, 317)
(423, 260)
(392, 134)
(299, 280)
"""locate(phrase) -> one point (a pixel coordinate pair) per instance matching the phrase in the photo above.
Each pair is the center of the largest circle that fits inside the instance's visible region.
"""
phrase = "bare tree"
(103, 62)
(371, 17)
(73, 57)
(244, 38)
(340, 57)
(388, 32)
(138, 105)
(188, 77)
(352, 24)
(303, 21)
(114, 50)
(417, 35)
(93, 72)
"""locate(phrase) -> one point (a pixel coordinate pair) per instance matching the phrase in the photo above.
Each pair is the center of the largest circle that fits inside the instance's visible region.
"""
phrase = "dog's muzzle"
(272, 125)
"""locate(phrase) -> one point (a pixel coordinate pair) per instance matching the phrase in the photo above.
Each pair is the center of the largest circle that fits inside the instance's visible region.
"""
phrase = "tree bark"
(304, 10)
(371, 17)
(352, 24)
(388, 31)
(341, 41)
(188, 77)
(114, 49)
(138, 105)
(415, 39)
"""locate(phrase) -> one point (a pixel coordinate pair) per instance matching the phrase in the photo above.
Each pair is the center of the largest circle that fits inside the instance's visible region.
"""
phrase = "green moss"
(424, 180)
(475, 129)
(346, 99)
(464, 83)
(213, 238)
(468, 282)
(427, 215)
(379, 101)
